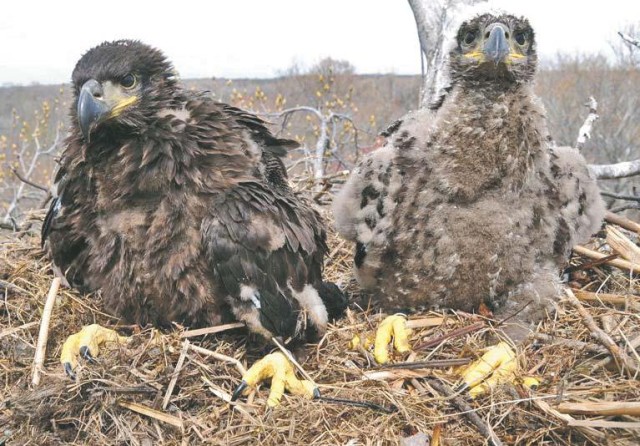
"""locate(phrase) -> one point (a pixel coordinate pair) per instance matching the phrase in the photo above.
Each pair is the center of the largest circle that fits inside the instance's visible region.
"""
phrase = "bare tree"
(434, 20)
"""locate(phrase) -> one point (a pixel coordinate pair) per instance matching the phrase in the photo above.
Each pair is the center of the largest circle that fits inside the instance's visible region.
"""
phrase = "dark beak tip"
(496, 47)
(90, 109)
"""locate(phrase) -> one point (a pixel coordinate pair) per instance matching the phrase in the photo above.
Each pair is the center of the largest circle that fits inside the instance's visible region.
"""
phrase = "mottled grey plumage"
(467, 203)
(177, 207)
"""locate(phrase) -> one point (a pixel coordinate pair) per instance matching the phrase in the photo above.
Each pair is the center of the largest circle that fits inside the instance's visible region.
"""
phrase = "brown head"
(118, 86)
(496, 49)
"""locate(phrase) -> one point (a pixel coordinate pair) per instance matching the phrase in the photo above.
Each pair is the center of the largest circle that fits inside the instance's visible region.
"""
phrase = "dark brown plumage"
(467, 203)
(177, 208)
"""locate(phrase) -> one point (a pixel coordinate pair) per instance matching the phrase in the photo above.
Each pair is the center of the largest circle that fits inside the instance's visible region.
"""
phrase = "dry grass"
(119, 400)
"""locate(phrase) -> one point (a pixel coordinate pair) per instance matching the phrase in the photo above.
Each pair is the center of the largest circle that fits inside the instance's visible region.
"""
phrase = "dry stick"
(614, 299)
(634, 343)
(608, 424)
(433, 364)
(452, 334)
(621, 357)
(43, 335)
(623, 222)
(618, 263)
(620, 243)
(571, 343)
(601, 408)
(483, 428)
(566, 419)
(12, 330)
(224, 396)
(592, 263)
(211, 330)
(220, 357)
(152, 413)
(293, 361)
(176, 372)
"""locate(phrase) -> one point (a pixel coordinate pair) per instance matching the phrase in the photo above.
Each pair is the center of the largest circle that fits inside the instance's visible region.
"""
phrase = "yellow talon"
(498, 365)
(277, 367)
(87, 342)
(393, 326)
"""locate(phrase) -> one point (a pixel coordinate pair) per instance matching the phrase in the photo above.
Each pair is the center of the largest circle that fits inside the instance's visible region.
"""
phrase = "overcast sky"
(40, 41)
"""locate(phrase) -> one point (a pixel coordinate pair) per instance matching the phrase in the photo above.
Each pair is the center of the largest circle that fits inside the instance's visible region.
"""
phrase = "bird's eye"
(521, 37)
(129, 81)
(469, 37)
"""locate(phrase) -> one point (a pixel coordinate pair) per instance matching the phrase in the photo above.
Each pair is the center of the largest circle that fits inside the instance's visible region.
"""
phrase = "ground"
(119, 400)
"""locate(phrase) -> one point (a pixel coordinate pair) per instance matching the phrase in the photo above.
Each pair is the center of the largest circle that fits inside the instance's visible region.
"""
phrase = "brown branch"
(27, 181)
(601, 408)
(571, 343)
(483, 428)
(620, 356)
(452, 334)
(619, 196)
(618, 263)
(622, 222)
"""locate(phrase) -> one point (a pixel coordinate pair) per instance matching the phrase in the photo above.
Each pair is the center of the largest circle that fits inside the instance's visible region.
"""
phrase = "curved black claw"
(68, 370)
(236, 393)
(86, 354)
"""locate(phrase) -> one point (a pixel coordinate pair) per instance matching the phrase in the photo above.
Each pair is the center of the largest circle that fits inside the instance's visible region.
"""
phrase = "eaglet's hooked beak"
(496, 47)
(98, 102)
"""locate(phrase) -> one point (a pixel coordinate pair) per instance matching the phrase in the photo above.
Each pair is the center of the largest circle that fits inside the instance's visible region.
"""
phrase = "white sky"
(40, 41)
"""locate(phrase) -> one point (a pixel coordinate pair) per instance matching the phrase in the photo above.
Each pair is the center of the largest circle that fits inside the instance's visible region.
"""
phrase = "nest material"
(119, 400)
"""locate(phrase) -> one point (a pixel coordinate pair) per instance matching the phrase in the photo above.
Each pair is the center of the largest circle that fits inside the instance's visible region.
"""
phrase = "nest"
(165, 388)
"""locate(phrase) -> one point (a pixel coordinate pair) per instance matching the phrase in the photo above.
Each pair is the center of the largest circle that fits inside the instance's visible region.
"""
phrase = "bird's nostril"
(486, 35)
(97, 95)
(506, 35)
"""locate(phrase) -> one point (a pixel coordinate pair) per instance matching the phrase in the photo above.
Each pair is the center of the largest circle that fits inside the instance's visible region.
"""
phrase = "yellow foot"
(283, 377)
(497, 366)
(391, 327)
(87, 343)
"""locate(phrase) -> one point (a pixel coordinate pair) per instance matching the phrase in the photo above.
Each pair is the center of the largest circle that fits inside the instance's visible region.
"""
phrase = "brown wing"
(266, 252)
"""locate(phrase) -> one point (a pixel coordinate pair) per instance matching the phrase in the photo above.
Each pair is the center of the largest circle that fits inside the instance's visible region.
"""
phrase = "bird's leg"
(499, 365)
(277, 367)
(87, 343)
(392, 327)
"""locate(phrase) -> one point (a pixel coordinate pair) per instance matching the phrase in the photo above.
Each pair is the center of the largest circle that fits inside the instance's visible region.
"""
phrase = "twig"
(433, 364)
(43, 335)
(293, 361)
(211, 330)
(585, 131)
(614, 299)
(224, 396)
(12, 330)
(220, 357)
(625, 207)
(30, 183)
(483, 428)
(628, 39)
(623, 222)
(571, 343)
(152, 413)
(603, 408)
(620, 243)
(566, 419)
(176, 372)
(620, 356)
(452, 334)
(618, 263)
(619, 196)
